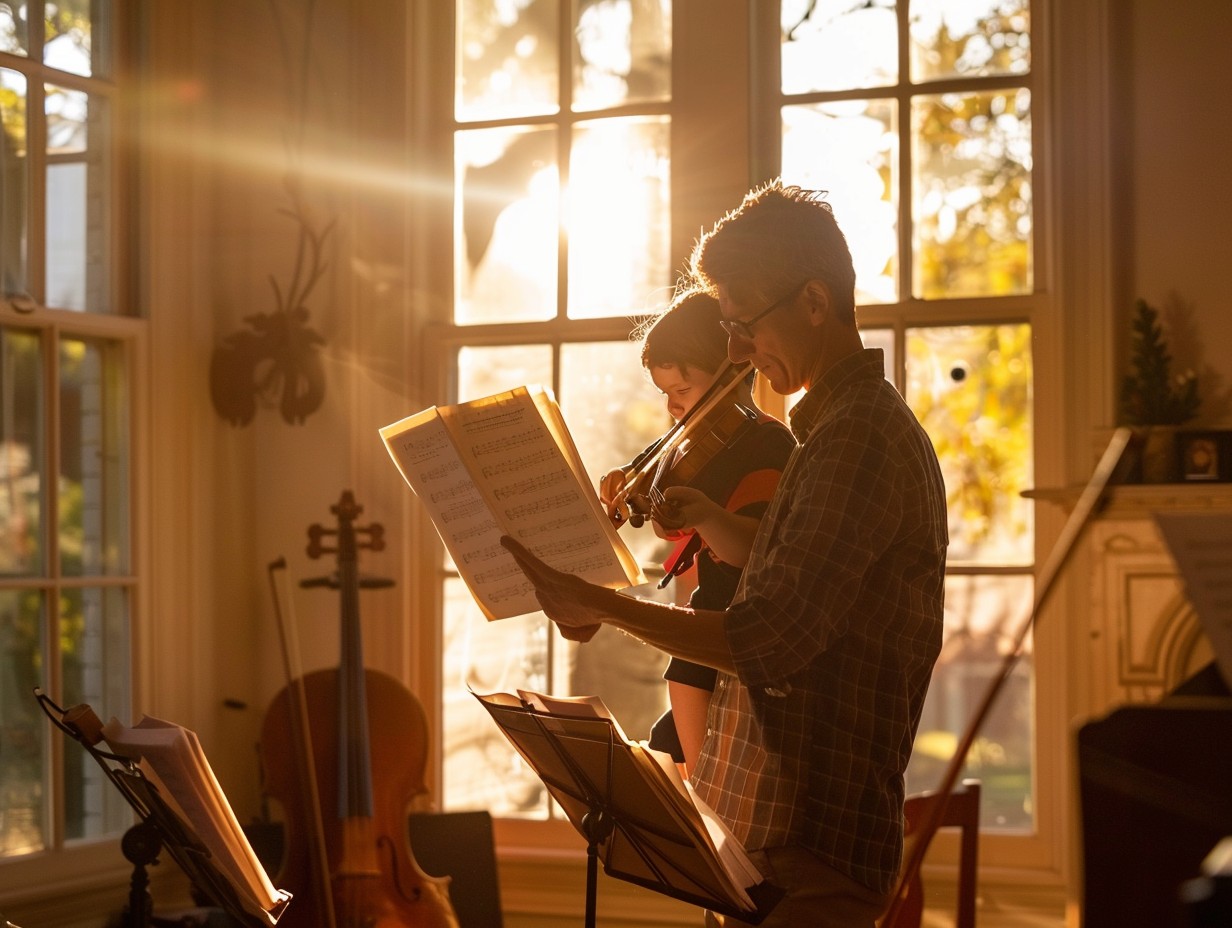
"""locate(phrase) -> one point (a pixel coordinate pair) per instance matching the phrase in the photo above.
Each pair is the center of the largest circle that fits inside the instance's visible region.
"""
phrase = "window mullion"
(36, 180)
(57, 826)
(564, 148)
(906, 217)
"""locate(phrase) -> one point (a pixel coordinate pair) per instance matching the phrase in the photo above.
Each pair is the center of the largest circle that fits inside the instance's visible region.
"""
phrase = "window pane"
(872, 338)
(619, 215)
(94, 657)
(612, 408)
(970, 386)
(982, 616)
(508, 238)
(624, 53)
(969, 39)
(23, 727)
(14, 27)
(481, 770)
(23, 454)
(883, 339)
(14, 184)
(483, 371)
(626, 673)
(93, 459)
(74, 39)
(971, 189)
(507, 58)
(838, 45)
(850, 149)
(77, 133)
(613, 411)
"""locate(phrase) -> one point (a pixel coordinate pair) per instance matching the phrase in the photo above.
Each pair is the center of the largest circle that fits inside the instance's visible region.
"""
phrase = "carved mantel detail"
(1150, 633)
(1144, 636)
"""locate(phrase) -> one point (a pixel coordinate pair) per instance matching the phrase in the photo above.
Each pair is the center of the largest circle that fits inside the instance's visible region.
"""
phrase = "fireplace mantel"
(1139, 501)
(1142, 636)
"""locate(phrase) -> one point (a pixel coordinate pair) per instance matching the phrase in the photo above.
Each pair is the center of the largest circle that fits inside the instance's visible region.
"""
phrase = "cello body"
(363, 757)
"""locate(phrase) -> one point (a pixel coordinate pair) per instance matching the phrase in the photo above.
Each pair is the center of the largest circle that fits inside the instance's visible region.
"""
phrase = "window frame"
(1041, 850)
(713, 60)
(93, 861)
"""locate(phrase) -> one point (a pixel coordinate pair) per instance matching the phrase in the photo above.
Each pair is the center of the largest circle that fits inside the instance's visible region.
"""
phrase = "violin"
(343, 751)
(682, 452)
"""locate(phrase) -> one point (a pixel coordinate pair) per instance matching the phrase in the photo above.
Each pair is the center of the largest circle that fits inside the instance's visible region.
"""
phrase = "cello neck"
(354, 755)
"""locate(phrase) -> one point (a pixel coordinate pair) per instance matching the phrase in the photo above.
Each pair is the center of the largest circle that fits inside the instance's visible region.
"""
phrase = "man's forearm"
(693, 634)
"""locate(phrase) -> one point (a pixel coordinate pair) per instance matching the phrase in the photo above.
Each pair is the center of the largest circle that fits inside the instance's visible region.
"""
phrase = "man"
(827, 648)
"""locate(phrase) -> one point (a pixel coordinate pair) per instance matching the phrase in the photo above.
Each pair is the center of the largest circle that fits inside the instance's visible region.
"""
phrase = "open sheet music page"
(171, 757)
(727, 846)
(726, 858)
(582, 707)
(506, 465)
(1201, 545)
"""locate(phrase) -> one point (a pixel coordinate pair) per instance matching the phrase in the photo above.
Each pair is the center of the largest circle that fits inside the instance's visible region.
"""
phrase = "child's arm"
(730, 536)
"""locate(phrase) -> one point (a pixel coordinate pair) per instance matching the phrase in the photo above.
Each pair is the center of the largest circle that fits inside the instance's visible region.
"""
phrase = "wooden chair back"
(962, 810)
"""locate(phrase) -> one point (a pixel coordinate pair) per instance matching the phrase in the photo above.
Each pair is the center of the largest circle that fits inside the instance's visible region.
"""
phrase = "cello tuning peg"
(315, 534)
(376, 537)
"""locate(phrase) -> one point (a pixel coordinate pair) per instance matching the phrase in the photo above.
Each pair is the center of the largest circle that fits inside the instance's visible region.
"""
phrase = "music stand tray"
(159, 824)
(614, 797)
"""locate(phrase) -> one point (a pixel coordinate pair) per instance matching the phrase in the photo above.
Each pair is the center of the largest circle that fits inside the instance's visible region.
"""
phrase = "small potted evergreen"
(1154, 399)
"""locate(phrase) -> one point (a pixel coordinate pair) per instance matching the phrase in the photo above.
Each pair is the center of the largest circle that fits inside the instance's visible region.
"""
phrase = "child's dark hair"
(686, 335)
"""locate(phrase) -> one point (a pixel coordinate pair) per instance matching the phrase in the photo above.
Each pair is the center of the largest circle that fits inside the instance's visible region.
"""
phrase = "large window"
(66, 572)
(561, 129)
(918, 119)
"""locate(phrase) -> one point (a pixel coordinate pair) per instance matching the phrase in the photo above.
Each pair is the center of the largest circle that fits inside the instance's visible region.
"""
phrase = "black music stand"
(605, 791)
(159, 827)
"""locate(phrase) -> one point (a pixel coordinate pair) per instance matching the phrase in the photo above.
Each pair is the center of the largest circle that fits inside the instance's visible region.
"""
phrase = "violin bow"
(651, 460)
(292, 665)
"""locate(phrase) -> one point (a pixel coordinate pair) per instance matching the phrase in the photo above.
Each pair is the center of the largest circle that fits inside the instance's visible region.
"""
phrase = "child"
(683, 351)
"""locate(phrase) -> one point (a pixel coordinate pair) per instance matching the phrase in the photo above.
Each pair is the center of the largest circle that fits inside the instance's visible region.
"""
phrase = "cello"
(343, 751)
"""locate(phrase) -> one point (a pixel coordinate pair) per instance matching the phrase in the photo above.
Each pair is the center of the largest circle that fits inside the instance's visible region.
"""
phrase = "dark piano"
(1155, 785)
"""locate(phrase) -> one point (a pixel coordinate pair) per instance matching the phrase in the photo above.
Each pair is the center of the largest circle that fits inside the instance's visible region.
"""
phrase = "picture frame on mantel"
(1205, 455)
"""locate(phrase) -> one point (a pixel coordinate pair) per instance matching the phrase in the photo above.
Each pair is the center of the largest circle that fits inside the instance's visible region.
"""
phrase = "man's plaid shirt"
(834, 632)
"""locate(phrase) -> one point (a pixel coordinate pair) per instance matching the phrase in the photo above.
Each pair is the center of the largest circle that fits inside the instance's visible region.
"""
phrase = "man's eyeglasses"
(743, 328)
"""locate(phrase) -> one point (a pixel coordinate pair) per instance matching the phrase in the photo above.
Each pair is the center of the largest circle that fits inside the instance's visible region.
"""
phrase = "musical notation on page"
(506, 465)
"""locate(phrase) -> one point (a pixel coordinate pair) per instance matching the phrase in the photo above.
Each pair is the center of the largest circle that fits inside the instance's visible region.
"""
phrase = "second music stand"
(606, 792)
(159, 826)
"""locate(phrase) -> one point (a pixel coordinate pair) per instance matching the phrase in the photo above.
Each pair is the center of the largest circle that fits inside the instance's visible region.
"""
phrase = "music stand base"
(141, 846)
(596, 826)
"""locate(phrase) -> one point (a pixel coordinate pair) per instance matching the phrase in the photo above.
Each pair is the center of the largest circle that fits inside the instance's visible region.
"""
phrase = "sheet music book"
(507, 465)
(665, 837)
(1201, 545)
(171, 758)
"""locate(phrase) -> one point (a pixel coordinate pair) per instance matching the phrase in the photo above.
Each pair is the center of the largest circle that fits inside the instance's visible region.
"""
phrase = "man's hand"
(566, 600)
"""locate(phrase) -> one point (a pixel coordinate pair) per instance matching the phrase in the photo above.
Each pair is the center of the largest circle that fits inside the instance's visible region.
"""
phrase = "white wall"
(1174, 135)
